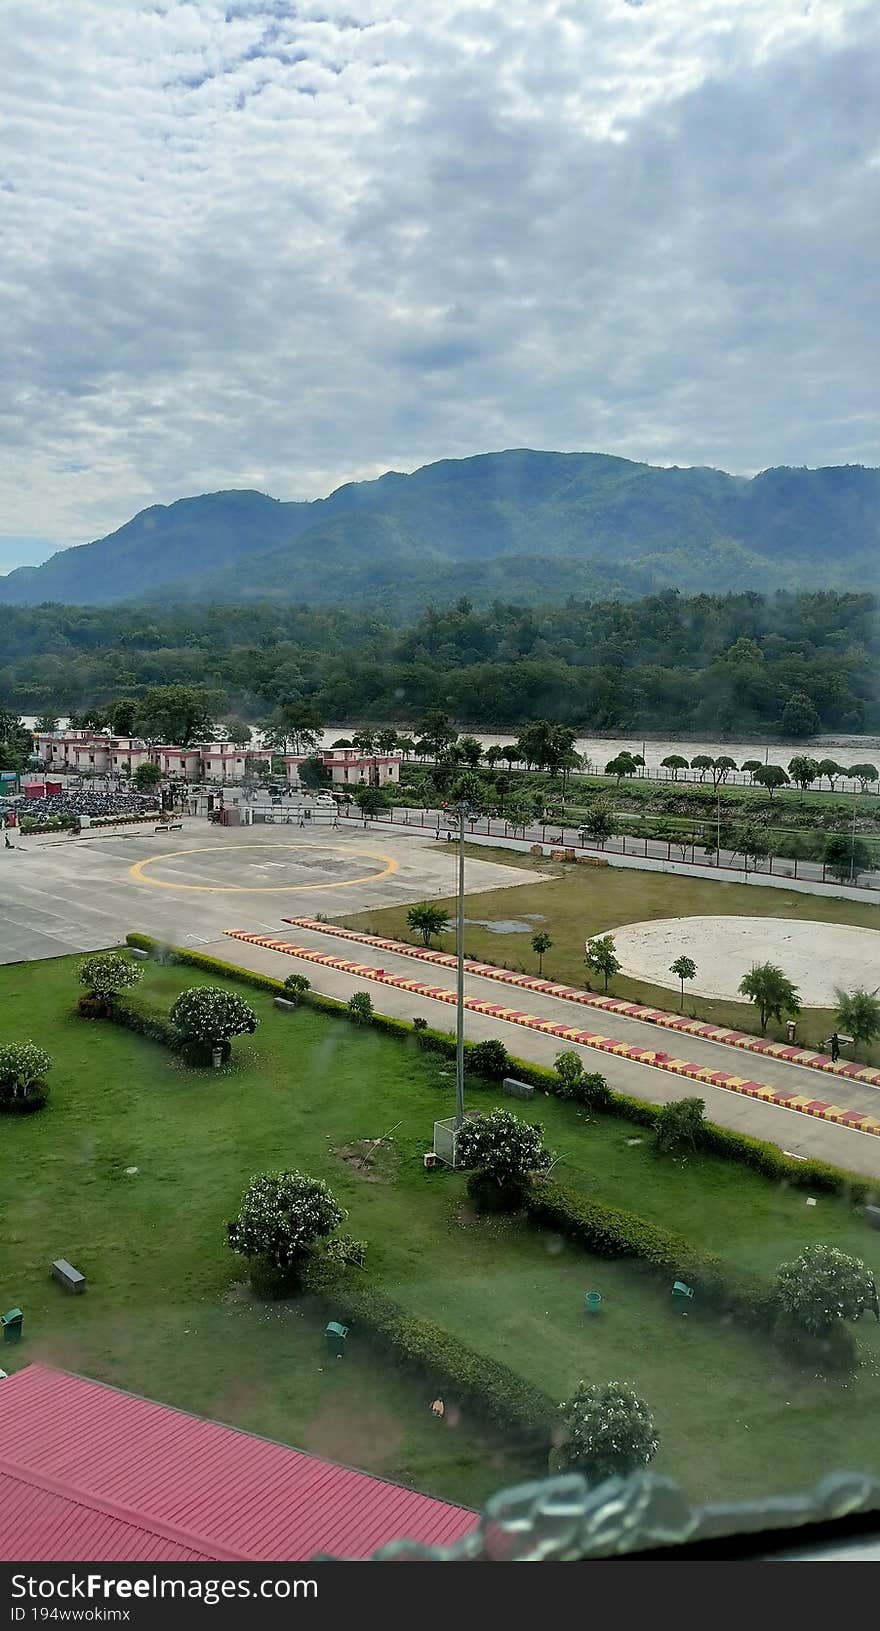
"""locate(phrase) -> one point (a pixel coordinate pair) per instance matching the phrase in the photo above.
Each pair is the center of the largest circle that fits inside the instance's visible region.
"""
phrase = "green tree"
(365, 740)
(504, 1152)
(803, 770)
(680, 1123)
(866, 774)
(123, 715)
(674, 762)
(684, 968)
(427, 920)
(371, 801)
(831, 770)
(846, 856)
(623, 765)
(208, 1017)
(799, 716)
(771, 777)
(471, 750)
(607, 1432)
(238, 732)
(601, 957)
(281, 1218)
(721, 768)
(387, 740)
(599, 824)
(360, 1007)
(176, 714)
(751, 765)
(823, 1287)
(519, 815)
(771, 991)
(108, 973)
(296, 986)
(436, 732)
(702, 762)
(146, 776)
(47, 722)
(858, 1014)
(313, 774)
(541, 943)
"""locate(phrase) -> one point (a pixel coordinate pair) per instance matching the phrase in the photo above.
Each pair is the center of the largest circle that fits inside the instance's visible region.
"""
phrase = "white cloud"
(252, 243)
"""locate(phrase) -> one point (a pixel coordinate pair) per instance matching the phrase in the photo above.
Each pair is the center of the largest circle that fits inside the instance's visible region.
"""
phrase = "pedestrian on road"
(6, 841)
(835, 1048)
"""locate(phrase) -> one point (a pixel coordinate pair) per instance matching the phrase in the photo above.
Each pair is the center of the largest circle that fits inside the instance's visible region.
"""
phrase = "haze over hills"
(522, 525)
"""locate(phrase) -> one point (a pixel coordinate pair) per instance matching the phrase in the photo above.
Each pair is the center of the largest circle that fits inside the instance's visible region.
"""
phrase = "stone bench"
(283, 1002)
(872, 1216)
(67, 1276)
(517, 1090)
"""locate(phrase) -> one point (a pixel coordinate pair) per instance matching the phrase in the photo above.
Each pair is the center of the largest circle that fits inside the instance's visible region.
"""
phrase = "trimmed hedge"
(763, 1158)
(143, 1023)
(607, 1231)
(495, 1393)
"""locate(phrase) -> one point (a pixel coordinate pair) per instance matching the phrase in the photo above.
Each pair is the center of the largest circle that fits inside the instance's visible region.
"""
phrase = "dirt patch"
(359, 1433)
(374, 1163)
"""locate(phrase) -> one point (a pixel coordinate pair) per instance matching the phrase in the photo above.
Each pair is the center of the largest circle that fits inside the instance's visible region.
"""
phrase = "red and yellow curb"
(858, 1120)
(610, 1005)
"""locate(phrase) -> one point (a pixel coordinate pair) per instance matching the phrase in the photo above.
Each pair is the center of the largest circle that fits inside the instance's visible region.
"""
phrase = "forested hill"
(787, 664)
(529, 526)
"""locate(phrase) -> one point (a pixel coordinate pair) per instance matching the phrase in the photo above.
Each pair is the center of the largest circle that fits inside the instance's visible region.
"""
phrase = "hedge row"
(494, 1392)
(766, 1159)
(135, 1018)
(607, 1231)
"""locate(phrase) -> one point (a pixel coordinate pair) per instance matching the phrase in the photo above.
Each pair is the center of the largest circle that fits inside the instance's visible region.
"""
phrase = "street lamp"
(457, 814)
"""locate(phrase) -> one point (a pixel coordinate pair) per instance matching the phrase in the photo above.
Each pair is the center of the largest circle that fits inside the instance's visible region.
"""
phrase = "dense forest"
(785, 663)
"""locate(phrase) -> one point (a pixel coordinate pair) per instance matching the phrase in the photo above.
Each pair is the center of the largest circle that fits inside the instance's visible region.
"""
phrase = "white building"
(349, 767)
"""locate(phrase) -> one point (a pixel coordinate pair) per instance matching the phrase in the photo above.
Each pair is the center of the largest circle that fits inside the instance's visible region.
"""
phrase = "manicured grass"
(166, 1312)
(580, 901)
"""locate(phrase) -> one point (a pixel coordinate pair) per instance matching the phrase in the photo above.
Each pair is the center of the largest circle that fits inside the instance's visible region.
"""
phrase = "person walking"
(835, 1048)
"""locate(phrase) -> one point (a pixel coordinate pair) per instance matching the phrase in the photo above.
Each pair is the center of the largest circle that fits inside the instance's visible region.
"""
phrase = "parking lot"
(60, 894)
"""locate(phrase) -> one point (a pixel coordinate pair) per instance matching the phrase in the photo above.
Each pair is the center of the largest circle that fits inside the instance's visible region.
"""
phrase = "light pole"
(459, 979)
(852, 853)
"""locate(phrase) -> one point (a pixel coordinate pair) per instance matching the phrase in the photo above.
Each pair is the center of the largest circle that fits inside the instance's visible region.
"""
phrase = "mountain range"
(525, 526)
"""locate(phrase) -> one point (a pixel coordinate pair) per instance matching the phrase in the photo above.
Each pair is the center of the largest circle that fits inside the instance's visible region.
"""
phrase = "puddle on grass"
(501, 925)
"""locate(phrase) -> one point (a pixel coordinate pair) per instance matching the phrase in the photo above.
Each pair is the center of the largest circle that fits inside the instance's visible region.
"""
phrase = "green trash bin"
(335, 1335)
(11, 1322)
(681, 1293)
(593, 1301)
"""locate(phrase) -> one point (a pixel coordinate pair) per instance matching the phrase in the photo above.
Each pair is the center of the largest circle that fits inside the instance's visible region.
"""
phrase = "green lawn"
(167, 1313)
(579, 901)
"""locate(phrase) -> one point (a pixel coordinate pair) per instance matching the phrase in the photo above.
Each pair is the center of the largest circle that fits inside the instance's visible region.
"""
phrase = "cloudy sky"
(288, 243)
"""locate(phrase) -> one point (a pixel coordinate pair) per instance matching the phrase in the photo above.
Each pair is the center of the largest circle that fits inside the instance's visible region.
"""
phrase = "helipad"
(291, 871)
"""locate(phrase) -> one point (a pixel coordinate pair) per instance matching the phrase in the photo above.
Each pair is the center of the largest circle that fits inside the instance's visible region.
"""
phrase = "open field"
(167, 1312)
(578, 902)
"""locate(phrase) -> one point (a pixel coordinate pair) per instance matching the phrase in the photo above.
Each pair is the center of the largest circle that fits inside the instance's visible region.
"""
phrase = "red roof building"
(89, 1474)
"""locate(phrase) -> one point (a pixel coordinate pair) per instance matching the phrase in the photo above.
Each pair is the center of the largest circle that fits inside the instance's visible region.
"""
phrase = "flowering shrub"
(824, 1286)
(207, 1015)
(282, 1215)
(505, 1151)
(108, 973)
(346, 1249)
(607, 1432)
(22, 1068)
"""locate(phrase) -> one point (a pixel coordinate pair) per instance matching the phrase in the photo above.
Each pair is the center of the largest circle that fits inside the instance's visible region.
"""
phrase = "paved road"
(791, 1131)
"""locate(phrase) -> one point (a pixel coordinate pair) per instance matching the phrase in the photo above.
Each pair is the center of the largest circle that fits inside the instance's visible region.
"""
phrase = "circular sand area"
(815, 956)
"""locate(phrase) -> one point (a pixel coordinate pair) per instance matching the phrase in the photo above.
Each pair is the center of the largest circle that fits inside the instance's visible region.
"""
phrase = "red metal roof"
(91, 1474)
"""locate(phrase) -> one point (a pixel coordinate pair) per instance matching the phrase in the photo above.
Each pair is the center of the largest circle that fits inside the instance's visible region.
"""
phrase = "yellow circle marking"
(138, 873)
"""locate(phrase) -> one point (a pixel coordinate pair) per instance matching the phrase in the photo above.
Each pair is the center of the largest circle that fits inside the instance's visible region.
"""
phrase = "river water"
(846, 750)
